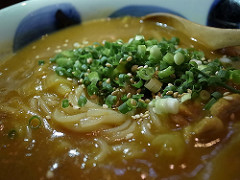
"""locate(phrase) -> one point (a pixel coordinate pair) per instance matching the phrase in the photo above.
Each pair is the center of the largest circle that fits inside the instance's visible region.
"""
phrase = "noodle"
(91, 120)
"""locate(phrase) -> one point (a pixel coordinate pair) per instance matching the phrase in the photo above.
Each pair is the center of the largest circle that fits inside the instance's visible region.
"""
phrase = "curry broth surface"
(52, 152)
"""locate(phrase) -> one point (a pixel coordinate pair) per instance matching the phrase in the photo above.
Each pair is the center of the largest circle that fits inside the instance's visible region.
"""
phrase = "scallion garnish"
(110, 100)
(34, 122)
(82, 101)
(117, 72)
(12, 134)
(41, 62)
(65, 103)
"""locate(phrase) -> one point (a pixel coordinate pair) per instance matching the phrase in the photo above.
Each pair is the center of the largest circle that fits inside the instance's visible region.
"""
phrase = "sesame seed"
(129, 74)
(189, 91)
(145, 115)
(146, 66)
(149, 125)
(58, 51)
(147, 101)
(137, 116)
(128, 136)
(169, 93)
(129, 58)
(48, 117)
(114, 93)
(76, 45)
(132, 80)
(69, 79)
(229, 98)
(108, 65)
(175, 95)
(105, 106)
(122, 90)
(76, 107)
(108, 81)
(89, 60)
(81, 80)
(226, 93)
(134, 68)
(129, 95)
(138, 91)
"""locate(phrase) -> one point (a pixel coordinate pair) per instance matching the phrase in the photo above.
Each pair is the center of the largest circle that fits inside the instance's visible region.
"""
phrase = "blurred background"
(5, 3)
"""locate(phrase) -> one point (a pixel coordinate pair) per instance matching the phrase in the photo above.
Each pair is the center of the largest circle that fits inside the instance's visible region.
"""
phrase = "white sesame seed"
(129, 58)
(58, 51)
(128, 136)
(129, 74)
(89, 60)
(108, 65)
(229, 98)
(76, 107)
(48, 117)
(149, 125)
(137, 116)
(105, 106)
(129, 95)
(226, 93)
(76, 45)
(49, 174)
(108, 81)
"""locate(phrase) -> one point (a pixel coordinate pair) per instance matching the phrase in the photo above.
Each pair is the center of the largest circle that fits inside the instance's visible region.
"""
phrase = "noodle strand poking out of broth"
(125, 101)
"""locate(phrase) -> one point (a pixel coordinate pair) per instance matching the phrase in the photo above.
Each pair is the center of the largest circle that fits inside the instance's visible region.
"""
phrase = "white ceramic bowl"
(29, 20)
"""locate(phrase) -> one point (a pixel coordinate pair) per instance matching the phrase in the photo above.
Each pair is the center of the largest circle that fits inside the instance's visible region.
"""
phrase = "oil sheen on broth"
(154, 147)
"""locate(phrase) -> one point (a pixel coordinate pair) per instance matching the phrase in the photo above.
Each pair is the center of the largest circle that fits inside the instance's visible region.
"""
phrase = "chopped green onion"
(41, 62)
(210, 103)
(65, 103)
(204, 95)
(124, 98)
(235, 76)
(138, 84)
(166, 72)
(34, 122)
(169, 58)
(141, 50)
(146, 73)
(178, 58)
(217, 95)
(154, 85)
(93, 77)
(155, 53)
(82, 101)
(124, 108)
(12, 134)
(92, 89)
(110, 100)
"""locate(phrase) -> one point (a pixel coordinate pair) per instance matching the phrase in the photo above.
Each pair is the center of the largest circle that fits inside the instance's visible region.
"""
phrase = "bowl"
(27, 21)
